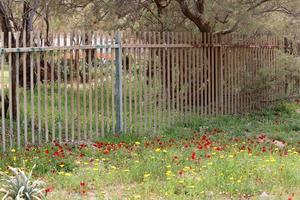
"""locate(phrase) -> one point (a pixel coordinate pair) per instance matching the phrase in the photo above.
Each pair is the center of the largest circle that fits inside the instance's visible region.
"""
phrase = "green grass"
(208, 158)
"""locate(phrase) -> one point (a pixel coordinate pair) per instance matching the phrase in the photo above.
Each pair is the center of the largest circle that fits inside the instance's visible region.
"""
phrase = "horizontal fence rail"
(79, 86)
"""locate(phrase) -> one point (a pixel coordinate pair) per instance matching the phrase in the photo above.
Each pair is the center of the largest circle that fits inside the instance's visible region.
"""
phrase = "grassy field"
(255, 156)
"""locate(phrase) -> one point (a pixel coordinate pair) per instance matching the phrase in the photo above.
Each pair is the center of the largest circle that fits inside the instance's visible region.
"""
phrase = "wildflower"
(48, 190)
(13, 150)
(146, 175)
(61, 165)
(157, 150)
(137, 143)
(113, 167)
(106, 151)
(168, 173)
(81, 155)
(193, 156)
(68, 174)
(82, 184)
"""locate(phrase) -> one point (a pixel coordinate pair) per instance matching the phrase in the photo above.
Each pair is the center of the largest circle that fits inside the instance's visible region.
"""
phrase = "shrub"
(19, 186)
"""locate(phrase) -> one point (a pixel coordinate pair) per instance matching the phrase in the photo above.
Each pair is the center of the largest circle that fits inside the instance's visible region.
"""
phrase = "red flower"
(264, 149)
(48, 190)
(200, 147)
(193, 156)
(56, 153)
(81, 155)
(106, 151)
(46, 151)
(82, 184)
(207, 156)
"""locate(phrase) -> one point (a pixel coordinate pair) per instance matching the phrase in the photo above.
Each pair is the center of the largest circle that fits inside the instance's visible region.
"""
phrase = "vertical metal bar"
(38, 63)
(11, 130)
(112, 66)
(90, 85)
(102, 90)
(59, 89)
(96, 114)
(25, 90)
(65, 36)
(221, 97)
(32, 90)
(17, 37)
(2, 95)
(119, 114)
(84, 56)
(52, 92)
(46, 94)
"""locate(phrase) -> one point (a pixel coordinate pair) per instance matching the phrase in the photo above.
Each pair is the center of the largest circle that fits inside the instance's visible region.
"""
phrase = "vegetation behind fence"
(64, 87)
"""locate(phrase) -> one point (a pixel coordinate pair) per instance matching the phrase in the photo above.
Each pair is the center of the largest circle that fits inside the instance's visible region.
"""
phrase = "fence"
(79, 86)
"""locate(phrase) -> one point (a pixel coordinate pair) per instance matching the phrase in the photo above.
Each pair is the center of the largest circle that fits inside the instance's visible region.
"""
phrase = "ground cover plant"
(254, 156)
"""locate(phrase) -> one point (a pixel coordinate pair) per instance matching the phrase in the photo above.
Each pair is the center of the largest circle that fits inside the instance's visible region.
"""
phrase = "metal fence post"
(119, 109)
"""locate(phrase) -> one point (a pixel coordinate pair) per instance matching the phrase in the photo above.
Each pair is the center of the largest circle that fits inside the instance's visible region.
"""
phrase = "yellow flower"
(137, 143)
(146, 175)
(126, 170)
(13, 150)
(68, 174)
(61, 165)
(230, 156)
(168, 166)
(210, 163)
(168, 173)
(85, 163)
(113, 167)
(157, 150)
(14, 158)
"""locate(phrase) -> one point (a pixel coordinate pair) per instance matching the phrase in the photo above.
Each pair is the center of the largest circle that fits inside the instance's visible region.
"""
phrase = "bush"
(19, 186)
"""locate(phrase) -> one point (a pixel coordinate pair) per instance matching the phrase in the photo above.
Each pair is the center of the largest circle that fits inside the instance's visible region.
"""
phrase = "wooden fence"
(82, 86)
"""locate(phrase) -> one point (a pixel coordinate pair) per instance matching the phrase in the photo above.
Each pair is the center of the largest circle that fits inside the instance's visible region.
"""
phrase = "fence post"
(119, 125)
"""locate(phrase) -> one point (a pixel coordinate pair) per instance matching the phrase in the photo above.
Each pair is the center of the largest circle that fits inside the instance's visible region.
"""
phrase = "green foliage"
(282, 81)
(19, 186)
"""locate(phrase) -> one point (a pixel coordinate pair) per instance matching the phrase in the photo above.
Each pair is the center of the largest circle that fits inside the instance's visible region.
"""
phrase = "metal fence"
(80, 86)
